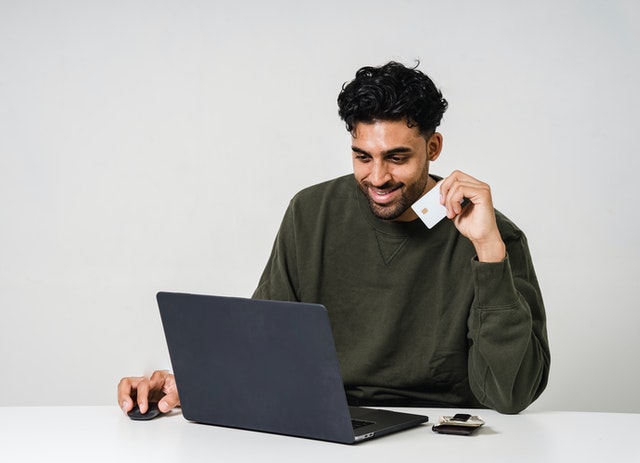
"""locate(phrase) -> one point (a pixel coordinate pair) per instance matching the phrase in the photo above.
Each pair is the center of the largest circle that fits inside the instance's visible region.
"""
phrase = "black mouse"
(152, 412)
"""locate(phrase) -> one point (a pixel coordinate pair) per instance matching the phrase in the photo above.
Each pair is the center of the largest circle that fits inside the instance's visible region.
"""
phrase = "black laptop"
(265, 366)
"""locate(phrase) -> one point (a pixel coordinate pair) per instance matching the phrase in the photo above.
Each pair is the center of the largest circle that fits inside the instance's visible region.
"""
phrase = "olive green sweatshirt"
(417, 320)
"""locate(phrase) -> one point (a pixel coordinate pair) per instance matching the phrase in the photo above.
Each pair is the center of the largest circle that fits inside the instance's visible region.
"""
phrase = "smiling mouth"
(383, 195)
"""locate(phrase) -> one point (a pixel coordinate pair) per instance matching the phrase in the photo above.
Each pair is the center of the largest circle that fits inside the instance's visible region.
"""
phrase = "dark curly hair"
(389, 93)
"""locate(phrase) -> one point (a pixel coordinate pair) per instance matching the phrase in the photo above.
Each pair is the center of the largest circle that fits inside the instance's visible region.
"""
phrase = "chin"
(386, 213)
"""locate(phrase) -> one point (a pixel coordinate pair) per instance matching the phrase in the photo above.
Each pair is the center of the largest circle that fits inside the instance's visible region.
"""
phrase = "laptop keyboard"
(360, 423)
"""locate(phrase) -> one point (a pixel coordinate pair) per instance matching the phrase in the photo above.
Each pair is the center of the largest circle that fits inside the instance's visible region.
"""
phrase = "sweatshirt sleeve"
(509, 357)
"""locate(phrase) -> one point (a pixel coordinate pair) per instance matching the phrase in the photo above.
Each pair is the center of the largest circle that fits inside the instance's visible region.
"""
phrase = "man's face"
(391, 166)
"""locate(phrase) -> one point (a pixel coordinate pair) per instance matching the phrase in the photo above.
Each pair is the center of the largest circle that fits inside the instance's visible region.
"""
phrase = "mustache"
(384, 186)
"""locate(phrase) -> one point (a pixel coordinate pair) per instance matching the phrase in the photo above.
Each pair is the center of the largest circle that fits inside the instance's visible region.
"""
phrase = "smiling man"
(449, 316)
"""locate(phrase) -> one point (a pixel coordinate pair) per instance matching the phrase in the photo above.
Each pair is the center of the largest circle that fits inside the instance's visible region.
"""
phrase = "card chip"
(425, 210)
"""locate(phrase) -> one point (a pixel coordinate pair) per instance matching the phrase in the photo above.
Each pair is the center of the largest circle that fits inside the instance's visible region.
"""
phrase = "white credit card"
(429, 208)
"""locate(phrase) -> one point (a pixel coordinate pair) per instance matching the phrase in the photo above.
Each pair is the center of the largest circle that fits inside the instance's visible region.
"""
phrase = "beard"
(409, 195)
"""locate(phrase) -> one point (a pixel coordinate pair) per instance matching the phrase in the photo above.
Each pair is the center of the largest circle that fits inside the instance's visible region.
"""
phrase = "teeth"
(383, 192)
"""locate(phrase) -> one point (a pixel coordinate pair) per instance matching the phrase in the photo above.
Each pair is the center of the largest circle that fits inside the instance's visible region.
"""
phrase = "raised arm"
(509, 356)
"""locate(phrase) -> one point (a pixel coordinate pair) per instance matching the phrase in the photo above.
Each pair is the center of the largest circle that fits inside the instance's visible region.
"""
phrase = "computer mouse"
(152, 412)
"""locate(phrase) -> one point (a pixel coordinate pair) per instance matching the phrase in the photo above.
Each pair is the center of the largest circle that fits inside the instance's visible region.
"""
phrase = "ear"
(434, 146)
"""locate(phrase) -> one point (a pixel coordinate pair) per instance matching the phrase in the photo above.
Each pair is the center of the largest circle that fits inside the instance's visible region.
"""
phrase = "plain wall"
(154, 145)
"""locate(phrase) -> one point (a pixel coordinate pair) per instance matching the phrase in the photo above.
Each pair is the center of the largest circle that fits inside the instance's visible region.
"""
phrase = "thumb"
(169, 402)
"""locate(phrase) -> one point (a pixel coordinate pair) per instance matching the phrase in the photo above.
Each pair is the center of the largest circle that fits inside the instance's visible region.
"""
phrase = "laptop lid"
(261, 365)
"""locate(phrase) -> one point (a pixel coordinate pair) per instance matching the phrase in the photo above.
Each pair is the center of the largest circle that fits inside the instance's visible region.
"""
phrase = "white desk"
(91, 434)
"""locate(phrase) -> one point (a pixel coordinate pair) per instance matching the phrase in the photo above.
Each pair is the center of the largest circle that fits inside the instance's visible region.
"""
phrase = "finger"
(126, 389)
(445, 186)
(157, 379)
(170, 399)
(463, 187)
(458, 190)
(451, 183)
(142, 395)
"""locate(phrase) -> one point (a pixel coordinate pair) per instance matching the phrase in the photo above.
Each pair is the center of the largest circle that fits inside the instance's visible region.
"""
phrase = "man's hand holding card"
(467, 201)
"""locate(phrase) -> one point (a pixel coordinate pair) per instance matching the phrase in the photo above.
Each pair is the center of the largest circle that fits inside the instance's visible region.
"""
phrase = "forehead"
(383, 135)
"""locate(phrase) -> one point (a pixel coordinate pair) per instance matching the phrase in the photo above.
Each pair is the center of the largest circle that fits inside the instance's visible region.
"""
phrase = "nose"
(379, 174)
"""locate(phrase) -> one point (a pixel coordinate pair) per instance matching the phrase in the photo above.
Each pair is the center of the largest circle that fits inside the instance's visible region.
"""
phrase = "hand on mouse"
(160, 387)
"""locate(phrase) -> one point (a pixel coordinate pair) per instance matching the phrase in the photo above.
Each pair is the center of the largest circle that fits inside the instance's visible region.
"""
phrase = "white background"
(149, 145)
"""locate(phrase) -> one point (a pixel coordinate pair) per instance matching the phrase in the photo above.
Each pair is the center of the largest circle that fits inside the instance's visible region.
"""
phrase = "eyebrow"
(398, 150)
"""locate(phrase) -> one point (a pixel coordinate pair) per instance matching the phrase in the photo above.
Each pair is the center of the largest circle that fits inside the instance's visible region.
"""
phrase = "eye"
(361, 157)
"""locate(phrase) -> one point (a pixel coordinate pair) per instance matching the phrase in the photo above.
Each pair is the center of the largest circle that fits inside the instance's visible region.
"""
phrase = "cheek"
(419, 171)
(404, 174)
(360, 170)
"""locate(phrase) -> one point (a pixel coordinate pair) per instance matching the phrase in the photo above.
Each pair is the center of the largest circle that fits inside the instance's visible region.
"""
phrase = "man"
(449, 316)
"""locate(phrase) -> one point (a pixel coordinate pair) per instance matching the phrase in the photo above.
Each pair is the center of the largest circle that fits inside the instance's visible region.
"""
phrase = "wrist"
(491, 251)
